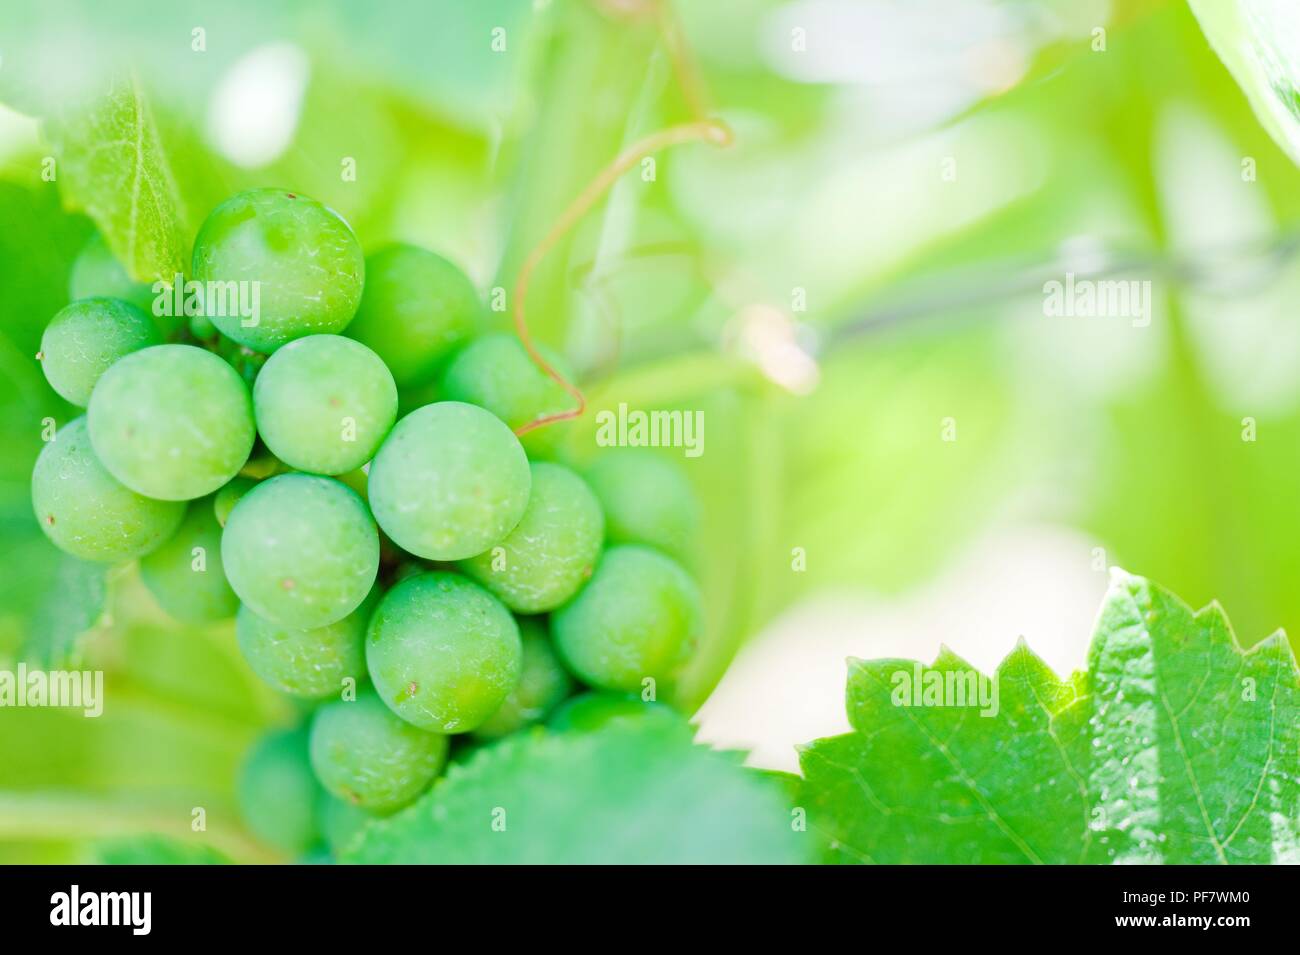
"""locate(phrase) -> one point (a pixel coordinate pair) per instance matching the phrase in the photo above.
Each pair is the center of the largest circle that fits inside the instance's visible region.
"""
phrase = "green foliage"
(1175, 746)
(113, 166)
(1258, 43)
(643, 793)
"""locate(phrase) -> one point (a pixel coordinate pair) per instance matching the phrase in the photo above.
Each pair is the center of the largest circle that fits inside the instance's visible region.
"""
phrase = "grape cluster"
(415, 578)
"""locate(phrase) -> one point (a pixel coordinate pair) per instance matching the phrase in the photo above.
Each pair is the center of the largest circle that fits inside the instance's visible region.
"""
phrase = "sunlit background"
(903, 450)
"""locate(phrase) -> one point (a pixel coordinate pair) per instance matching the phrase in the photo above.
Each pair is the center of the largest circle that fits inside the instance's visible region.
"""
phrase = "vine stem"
(707, 130)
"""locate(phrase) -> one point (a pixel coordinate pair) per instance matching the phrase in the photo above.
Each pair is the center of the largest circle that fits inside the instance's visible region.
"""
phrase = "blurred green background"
(905, 177)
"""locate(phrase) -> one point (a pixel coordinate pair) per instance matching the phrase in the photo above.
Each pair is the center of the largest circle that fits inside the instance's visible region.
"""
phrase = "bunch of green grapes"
(425, 583)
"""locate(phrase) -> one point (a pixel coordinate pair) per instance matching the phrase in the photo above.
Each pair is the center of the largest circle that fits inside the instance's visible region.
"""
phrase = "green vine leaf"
(1176, 746)
(72, 603)
(1260, 45)
(635, 791)
(111, 164)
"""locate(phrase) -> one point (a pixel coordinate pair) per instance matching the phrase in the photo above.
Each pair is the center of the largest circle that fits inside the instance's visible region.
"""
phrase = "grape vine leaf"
(1259, 43)
(1175, 746)
(111, 164)
(73, 601)
(633, 791)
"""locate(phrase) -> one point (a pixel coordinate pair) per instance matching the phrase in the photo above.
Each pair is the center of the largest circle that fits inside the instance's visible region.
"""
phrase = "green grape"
(201, 327)
(324, 403)
(185, 574)
(365, 755)
(305, 261)
(552, 551)
(442, 652)
(358, 480)
(594, 710)
(637, 618)
(543, 683)
(172, 422)
(449, 482)
(95, 273)
(311, 664)
(246, 362)
(340, 821)
(85, 511)
(84, 338)
(496, 373)
(417, 307)
(224, 501)
(647, 500)
(277, 792)
(301, 550)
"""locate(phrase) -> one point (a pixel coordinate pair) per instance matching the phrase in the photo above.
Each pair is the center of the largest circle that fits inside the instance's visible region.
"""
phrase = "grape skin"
(363, 754)
(83, 339)
(340, 821)
(307, 663)
(86, 512)
(224, 501)
(278, 793)
(543, 683)
(309, 390)
(172, 422)
(553, 549)
(308, 264)
(647, 499)
(416, 308)
(449, 482)
(301, 550)
(188, 594)
(97, 273)
(639, 617)
(496, 373)
(443, 653)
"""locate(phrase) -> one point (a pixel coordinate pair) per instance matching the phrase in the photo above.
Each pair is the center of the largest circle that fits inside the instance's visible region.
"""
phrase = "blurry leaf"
(155, 850)
(112, 164)
(1176, 746)
(74, 599)
(1259, 42)
(632, 792)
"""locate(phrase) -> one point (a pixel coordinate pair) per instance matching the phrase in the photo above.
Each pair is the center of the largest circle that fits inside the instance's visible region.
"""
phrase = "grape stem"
(702, 129)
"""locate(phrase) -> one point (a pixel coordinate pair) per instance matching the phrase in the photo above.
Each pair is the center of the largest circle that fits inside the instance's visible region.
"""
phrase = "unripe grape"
(88, 336)
(96, 272)
(442, 652)
(324, 403)
(553, 549)
(277, 792)
(185, 574)
(87, 512)
(340, 821)
(307, 264)
(301, 550)
(543, 683)
(172, 422)
(311, 664)
(647, 500)
(496, 373)
(638, 618)
(449, 481)
(417, 307)
(224, 501)
(364, 754)
(596, 709)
